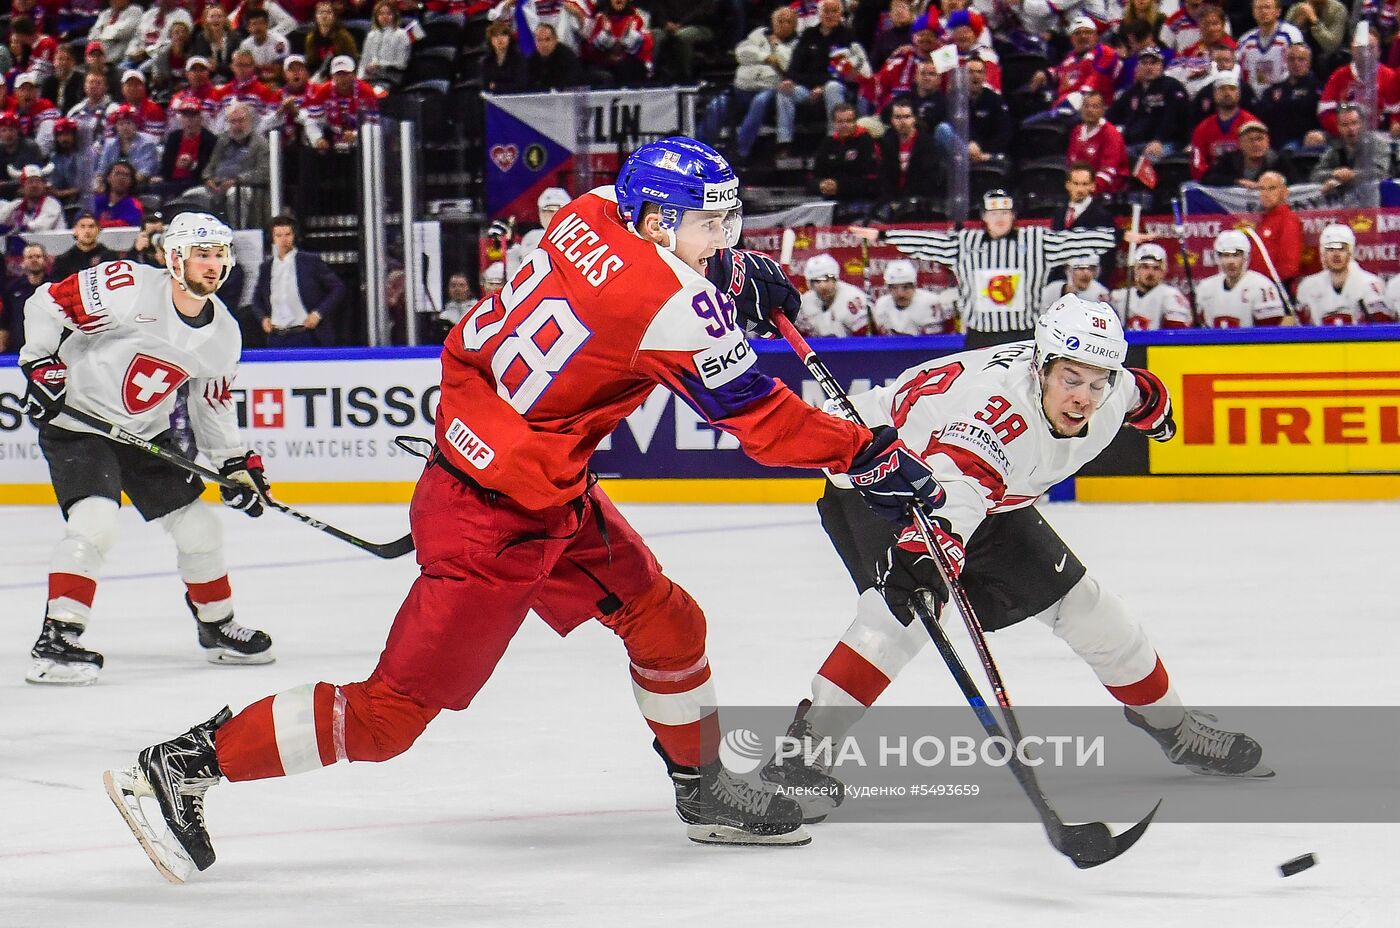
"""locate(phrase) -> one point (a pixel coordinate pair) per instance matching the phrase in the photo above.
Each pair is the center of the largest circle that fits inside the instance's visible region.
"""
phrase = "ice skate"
(59, 658)
(1204, 749)
(719, 808)
(806, 779)
(175, 774)
(227, 642)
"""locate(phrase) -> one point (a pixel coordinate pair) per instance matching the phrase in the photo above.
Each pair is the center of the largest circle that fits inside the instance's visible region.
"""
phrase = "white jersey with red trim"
(1094, 293)
(1360, 299)
(848, 314)
(128, 351)
(1254, 299)
(1162, 307)
(928, 313)
(976, 418)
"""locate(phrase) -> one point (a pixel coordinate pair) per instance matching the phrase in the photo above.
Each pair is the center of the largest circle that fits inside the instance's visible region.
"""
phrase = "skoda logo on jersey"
(1072, 343)
(148, 381)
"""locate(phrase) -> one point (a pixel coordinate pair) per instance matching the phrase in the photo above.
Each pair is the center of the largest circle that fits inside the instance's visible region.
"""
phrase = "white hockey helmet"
(1337, 235)
(820, 267)
(193, 230)
(553, 198)
(1232, 241)
(900, 272)
(1080, 330)
(1151, 251)
(495, 273)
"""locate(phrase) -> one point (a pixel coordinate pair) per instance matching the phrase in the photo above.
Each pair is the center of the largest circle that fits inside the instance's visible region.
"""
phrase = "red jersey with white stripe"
(534, 377)
(30, 119)
(1096, 69)
(128, 351)
(976, 418)
(1343, 87)
(342, 113)
(262, 98)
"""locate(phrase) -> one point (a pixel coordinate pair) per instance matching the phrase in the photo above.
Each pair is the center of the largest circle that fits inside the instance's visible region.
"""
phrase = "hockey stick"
(1273, 272)
(1179, 228)
(388, 550)
(1087, 845)
(1132, 253)
(869, 294)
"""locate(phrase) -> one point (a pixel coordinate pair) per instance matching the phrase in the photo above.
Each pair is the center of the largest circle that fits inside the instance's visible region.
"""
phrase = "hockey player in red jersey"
(1000, 427)
(117, 341)
(506, 517)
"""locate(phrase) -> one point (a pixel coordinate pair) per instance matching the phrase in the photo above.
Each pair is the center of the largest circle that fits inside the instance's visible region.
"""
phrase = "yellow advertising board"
(1321, 408)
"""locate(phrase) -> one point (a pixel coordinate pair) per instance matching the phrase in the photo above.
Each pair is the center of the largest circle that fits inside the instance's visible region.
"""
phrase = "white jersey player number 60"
(553, 317)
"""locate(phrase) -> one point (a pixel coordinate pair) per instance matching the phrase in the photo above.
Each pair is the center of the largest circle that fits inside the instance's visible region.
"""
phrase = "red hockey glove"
(891, 478)
(907, 572)
(1153, 415)
(46, 388)
(248, 471)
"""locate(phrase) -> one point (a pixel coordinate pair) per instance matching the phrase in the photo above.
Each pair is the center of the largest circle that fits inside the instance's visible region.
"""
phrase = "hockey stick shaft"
(955, 589)
(1131, 284)
(1179, 227)
(1273, 271)
(388, 550)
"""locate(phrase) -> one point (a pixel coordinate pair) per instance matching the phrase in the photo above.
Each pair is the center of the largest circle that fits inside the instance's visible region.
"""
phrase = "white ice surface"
(544, 805)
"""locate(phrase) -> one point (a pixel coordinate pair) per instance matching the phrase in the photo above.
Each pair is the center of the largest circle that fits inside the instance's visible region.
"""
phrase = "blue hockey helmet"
(679, 174)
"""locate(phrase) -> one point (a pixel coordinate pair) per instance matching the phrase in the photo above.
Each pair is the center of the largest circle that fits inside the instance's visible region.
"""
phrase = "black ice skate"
(176, 774)
(227, 642)
(719, 808)
(59, 659)
(1204, 749)
(806, 778)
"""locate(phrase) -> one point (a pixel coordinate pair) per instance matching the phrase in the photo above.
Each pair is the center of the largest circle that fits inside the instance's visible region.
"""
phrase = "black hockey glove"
(758, 285)
(1153, 416)
(891, 478)
(907, 572)
(247, 470)
(46, 388)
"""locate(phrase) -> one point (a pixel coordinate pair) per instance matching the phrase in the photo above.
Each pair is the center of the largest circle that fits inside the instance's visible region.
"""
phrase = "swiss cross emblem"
(148, 381)
(269, 409)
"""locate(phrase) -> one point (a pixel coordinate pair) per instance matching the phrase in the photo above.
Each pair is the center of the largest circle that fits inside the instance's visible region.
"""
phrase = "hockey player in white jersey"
(908, 310)
(831, 307)
(1002, 425)
(551, 200)
(1080, 279)
(1153, 305)
(1237, 297)
(117, 341)
(1342, 293)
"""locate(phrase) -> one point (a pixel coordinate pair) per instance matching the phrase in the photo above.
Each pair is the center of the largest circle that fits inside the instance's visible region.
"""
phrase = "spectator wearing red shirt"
(1090, 65)
(1342, 87)
(1098, 143)
(1219, 133)
(200, 90)
(150, 118)
(1279, 228)
(36, 49)
(896, 76)
(341, 105)
(246, 88)
(618, 43)
(35, 114)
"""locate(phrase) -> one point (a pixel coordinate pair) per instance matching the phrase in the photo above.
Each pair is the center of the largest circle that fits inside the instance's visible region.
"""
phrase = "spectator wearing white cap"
(493, 279)
(1219, 132)
(1090, 65)
(1080, 280)
(908, 309)
(1237, 297)
(550, 201)
(267, 47)
(115, 27)
(150, 117)
(34, 210)
(290, 114)
(341, 105)
(1342, 293)
(35, 114)
(831, 307)
(1147, 303)
(200, 90)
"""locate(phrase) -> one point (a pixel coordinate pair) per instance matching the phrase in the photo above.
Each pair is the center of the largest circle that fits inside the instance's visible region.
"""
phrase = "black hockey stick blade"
(1092, 844)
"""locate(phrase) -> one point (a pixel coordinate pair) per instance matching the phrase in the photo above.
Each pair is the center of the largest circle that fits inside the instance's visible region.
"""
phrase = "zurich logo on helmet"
(1072, 343)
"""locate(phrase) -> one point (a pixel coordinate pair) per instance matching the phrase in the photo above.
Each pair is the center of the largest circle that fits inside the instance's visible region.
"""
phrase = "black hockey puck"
(1296, 865)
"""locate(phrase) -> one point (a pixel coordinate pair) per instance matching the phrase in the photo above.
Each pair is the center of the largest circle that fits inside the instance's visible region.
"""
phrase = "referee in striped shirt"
(1001, 269)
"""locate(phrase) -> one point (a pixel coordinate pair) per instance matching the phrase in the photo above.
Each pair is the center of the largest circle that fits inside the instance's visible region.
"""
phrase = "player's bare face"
(203, 267)
(1232, 266)
(1148, 274)
(998, 221)
(699, 235)
(825, 289)
(902, 294)
(1070, 393)
(1336, 259)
